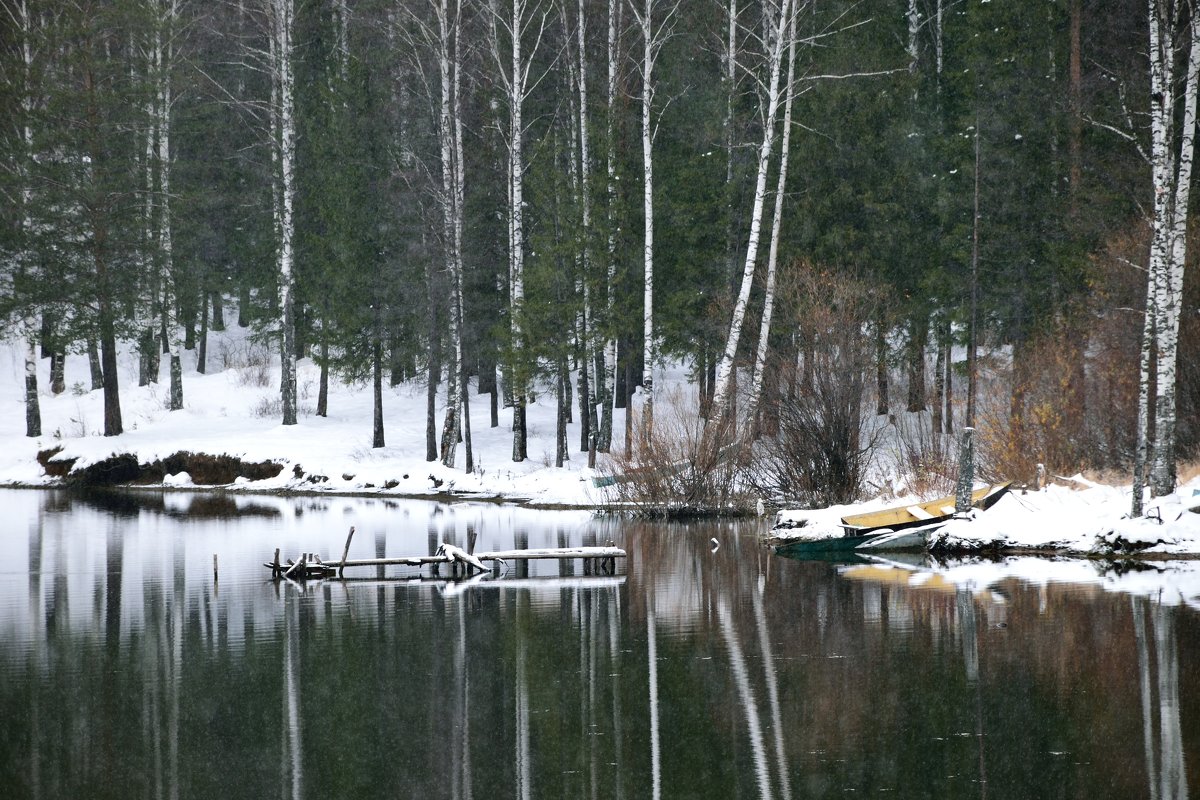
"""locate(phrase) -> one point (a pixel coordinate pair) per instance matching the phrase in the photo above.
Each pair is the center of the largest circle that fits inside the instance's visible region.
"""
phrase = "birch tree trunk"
(514, 73)
(29, 329)
(448, 27)
(589, 384)
(645, 22)
(168, 15)
(652, 41)
(777, 18)
(459, 220)
(764, 332)
(1169, 285)
(281, 14)
(604, 443)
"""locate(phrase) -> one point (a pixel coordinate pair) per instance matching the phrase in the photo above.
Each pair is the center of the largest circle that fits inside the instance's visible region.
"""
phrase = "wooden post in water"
(345, 552)
(966, 472)
(214, 569)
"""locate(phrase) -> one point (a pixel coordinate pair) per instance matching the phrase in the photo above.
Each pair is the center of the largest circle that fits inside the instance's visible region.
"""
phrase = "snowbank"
(233, 411)
(1092, 520)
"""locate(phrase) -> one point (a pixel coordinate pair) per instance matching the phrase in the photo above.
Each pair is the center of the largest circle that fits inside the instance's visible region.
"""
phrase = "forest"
(825, 210)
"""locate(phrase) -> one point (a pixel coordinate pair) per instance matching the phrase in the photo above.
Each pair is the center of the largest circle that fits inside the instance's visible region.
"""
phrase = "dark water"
(127, 672)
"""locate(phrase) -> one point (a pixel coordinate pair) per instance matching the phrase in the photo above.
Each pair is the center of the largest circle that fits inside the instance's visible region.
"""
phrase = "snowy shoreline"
(1056, 521)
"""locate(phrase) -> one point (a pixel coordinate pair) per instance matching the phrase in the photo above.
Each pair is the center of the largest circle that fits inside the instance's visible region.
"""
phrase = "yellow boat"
(929, 512)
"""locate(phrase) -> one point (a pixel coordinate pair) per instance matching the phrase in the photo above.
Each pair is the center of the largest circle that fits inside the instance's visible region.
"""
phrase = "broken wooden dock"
(596, 561)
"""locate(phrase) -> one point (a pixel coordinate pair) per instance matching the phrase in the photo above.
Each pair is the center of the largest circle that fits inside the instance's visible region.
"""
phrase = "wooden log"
(346, 551)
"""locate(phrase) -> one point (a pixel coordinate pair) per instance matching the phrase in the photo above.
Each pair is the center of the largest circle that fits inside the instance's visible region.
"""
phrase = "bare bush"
(674, 472)
(268, 406)
(822, 449)
(926, 461)
(251, 360)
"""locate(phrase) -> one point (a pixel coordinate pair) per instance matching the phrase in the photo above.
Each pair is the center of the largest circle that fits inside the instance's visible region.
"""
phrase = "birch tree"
(511, 26)
(448, 32)
(776, 24)
(655, 29)
(612, 58)
(276, 61)
(581, 155)
(24, 28)
(1172, 28)
(166, 25)
(760, 355)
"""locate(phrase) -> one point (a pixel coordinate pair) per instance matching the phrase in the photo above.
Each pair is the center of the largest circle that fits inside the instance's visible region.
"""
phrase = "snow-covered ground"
(1090, 519)
(233, 410)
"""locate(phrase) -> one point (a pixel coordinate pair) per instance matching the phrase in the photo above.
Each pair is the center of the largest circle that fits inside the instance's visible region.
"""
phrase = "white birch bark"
(585, 199)
(1141, 450)
(519, 20)
(459, 217)
(610, 343)
(653, 39)
(1169, 287)
(449, 128)
(282, 13)
(764, 331)
(777, 17)
(151, 305)
(164, 54)
(648, 211)
(23, 21)
(1171, 168)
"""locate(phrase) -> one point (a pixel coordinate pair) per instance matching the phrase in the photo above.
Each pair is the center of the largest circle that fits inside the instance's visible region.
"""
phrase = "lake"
(698, 670)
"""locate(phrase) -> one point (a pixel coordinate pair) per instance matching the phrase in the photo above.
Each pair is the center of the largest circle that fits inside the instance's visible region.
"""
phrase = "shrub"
(822, 448)
(673, 472)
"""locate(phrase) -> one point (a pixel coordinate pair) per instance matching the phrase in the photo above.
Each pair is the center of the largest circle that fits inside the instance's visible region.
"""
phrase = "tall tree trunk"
(163, 59)
(1169, 286)
(284, 88)
(604, 442)
(33, 413)
(323, 380)
(58, 376)
(760, 355)
(433, 376)
(96, 373)
(514, 76)
(108, 364)
(949, 345)
(377, 439)
(468, 447)
(202, 352)
(650, 48)
(917, 340)
(882, 404)
(776, 20)
(973, 321)
(449, 128)
(561, 454)
(24, 25)
(939, 383)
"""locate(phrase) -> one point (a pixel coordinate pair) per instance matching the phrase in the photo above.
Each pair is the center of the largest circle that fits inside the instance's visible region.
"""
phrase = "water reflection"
(127, 671)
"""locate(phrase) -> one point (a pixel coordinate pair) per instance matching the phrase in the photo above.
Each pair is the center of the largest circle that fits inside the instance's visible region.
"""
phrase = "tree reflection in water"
(126, 672)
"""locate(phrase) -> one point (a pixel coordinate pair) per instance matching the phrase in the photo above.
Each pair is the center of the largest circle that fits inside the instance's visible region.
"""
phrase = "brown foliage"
(676, 470)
